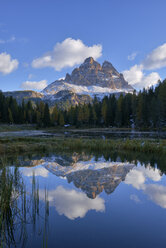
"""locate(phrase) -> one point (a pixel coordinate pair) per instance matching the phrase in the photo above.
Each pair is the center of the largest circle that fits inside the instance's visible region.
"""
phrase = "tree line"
(146, 109)
(26, 113)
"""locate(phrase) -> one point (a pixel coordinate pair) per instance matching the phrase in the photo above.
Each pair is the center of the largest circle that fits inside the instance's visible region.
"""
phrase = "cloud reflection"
(135, 198)
(37, 171)
(157, 193)
(71, 203)
(137, 178)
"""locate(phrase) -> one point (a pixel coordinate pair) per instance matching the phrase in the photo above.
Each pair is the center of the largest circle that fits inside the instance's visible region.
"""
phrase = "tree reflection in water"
(19, 208)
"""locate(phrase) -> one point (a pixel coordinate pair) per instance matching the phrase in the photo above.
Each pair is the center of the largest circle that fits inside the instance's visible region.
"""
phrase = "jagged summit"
(86, 81)
(108, 68)
(91, 73)
(89, 60)
(98, 175)
(91, 78)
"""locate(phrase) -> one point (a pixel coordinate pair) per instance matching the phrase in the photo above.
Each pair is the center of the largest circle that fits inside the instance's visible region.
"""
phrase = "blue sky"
(41, 40)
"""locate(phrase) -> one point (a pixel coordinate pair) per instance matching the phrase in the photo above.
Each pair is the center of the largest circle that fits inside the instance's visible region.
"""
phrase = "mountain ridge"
(85, 82)
(90, 74)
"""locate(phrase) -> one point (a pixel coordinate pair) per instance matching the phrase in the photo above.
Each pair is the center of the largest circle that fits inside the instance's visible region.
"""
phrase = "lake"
(83, 200)
(103, 133)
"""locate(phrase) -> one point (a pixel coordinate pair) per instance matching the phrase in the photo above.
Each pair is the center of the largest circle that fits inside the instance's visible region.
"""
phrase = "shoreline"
(20, 145)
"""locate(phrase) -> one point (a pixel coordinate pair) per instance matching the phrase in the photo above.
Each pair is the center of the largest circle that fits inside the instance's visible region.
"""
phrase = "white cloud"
(71, 203)
(134, 74)
(11, 39)
(156, 193)
(34, 85)
(132, 56)
(135, 198)
(153, 173)
(61, 78)
(68, 53)
(136, 77)
(156, 59)
(138, 175)
(137, 178)
(149, 80)
(7, 64)
(37, 171)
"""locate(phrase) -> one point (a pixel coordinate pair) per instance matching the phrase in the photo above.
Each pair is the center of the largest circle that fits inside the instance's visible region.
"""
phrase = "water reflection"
(91, 176)
(37, 171)
(18, 207)
(72, 186)
(139, 178)
(71, 203)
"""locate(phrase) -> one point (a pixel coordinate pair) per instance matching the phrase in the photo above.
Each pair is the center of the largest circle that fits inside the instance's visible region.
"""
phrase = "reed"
(48, 144)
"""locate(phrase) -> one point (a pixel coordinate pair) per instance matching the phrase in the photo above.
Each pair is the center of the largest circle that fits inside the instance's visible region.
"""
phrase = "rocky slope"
(91, 176)
(25, 94)
(89, 80)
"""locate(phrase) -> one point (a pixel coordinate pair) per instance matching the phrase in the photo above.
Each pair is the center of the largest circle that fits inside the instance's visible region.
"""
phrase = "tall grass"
(17, 207)
(48, 144)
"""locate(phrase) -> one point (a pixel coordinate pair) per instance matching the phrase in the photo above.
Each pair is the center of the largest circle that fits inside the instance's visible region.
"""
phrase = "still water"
(83, 200)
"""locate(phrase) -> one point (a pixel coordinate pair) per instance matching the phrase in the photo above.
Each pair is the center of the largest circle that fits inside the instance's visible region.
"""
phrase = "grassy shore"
(51, 144)
(22, 127)
(14, 127)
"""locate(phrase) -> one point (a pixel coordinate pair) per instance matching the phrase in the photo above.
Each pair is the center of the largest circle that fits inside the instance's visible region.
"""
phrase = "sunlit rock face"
(91, 73)
(89, 80)
(94, 182)
(92, 177)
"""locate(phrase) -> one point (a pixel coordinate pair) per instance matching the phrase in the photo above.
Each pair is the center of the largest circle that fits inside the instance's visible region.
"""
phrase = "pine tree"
(54, 116)
(119, 112)
(104, 110)
(61, 120)
(46, 118)
(10, 117)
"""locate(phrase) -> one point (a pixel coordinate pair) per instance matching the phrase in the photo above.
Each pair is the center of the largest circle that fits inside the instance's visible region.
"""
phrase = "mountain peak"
(91, 73)
(90, 78)
(106, 63)
(89, 60)
(108, 67)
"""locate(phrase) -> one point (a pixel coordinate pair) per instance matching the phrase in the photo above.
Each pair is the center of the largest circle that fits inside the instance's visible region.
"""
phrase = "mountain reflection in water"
(74, 187)
(91, 176)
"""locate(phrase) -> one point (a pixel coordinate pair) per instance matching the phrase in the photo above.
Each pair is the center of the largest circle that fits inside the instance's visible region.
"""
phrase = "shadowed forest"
(147, 109)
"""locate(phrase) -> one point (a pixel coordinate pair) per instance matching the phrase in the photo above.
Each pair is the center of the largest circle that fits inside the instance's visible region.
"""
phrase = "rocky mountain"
(66, 98)
(87, 174)
(91, 79)
(63, 98)
(88, 80)
(91, 176)
(26, 95)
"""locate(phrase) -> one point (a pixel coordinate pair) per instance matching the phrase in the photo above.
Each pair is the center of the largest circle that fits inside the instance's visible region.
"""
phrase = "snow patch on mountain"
(81, 90)
(81, 166)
